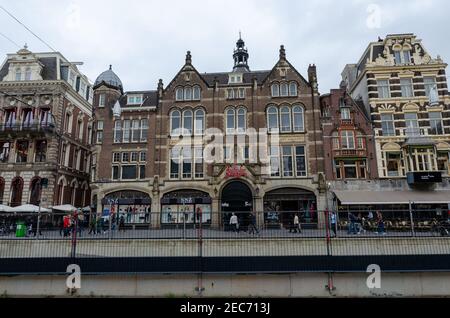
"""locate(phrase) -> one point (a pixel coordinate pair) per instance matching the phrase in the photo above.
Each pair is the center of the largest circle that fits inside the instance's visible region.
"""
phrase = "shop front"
(281, 206)
(186, 207)
(133, 206)
(236, 198)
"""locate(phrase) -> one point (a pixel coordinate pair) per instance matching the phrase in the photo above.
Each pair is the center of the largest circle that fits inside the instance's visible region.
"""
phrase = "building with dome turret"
(45, 130)
(152, 147)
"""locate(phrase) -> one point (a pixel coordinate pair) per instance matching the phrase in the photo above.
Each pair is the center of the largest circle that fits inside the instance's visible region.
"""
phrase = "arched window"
(298, 118)
(199, 124)
(18, 74)
(284, 90)
(28, 74)
(272, 119)
(230, 121)
(35, 191)
(293, 89)
(285, 119)
(241, 123)
(197, 93)
(175, 122)
(187, 122)
(275, 90)
(179, 96)
(187, 93)
(16, 192)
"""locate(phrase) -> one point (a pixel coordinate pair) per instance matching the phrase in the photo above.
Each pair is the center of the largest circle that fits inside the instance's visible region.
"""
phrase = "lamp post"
(43, 183)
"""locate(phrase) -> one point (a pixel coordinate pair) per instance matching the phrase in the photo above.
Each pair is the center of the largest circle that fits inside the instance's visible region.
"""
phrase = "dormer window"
(134, 100)
(28, 74)
(402, 56)
(18, 74)
(235, 79)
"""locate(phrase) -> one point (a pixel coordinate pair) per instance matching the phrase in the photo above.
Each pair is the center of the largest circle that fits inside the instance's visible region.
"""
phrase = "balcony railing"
(25, 127)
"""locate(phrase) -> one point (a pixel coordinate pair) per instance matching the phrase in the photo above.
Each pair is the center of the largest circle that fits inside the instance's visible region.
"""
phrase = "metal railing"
(266, 241)
(27, 127)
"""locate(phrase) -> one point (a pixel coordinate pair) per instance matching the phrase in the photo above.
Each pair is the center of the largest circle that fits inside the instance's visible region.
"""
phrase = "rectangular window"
(436, 124)
(41, 151)
(350, 170)
(116, 157)
(398, 57)
(143, 156)
(136, 131)
(337, 169)
(117, 131)
(345, 113)
(126, 130)
(5, 148)
(134, 100)
(22, 151)
(175, 163)
(412, 124)
(274, 153)
(407, 57)
(99, 131)
(348, 140)
(384, 89)
(129, 172)
(134, 157)
(429, 83)
(362, 169)
(101, 100)
(407, 87)
(393, 164)
(125, 157)
(287, 161)
(115, 173)
(300, 161)
(242, 93)
(144, 130)
(198, 159)
(387, 123)
(187, 162)
(141, 172)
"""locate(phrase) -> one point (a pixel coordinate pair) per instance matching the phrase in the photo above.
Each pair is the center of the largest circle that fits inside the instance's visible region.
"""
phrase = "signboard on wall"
(424, 177)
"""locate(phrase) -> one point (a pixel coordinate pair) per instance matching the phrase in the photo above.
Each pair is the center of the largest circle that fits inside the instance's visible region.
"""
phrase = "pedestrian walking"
(252, 229)
(234, 223)
(122, 223)
(296, 227)
(352, 224)
(66, 225)
(381, 228)
(92, 225)
(333, 223)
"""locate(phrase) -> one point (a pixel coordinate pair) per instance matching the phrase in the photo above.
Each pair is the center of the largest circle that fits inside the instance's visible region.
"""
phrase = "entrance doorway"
(236, 198)
(281, 206)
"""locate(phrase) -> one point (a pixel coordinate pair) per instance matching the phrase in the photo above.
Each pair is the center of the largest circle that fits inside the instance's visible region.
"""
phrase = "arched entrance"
(184, 207)
(133, 206)
(281, 205)
(236, 198)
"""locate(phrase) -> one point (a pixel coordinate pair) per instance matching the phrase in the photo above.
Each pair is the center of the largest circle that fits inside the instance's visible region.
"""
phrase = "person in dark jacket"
(252, 229)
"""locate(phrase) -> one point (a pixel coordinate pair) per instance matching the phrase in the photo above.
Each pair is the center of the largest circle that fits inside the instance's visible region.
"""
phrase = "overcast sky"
(148, 40)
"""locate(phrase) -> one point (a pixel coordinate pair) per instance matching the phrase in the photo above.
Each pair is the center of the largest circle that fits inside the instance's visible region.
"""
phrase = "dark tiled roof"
(49, 72)
(4, 71)
(222, 78)
(150, 98)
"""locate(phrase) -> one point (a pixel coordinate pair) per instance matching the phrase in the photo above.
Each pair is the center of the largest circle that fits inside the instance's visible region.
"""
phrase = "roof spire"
(240, 56)
(188, 58)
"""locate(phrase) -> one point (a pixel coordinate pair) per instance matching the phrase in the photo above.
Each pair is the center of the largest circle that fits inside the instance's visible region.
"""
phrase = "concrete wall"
(293, 285)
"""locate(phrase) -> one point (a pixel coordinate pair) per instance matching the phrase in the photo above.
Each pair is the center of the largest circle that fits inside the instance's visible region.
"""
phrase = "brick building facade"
(45, 127)
(287, 175)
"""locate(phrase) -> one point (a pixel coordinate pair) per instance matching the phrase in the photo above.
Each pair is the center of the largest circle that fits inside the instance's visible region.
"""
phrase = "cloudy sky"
(148, 40)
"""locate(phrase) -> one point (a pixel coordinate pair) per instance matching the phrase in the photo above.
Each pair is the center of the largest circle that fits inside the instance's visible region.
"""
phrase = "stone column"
(215, 213)
(156, 211)
(321, 208)
(259, 210)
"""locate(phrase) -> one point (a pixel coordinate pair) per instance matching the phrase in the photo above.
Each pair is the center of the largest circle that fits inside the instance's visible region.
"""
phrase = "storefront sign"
(424, 177)
(236, 172)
